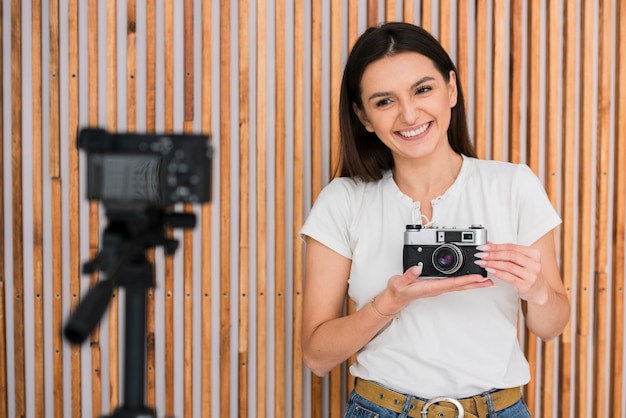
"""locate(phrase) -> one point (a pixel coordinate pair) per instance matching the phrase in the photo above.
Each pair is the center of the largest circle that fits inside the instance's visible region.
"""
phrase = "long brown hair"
(363, 154)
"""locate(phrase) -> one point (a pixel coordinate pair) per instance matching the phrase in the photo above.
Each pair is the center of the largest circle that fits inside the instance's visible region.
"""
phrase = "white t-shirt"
(459, 343)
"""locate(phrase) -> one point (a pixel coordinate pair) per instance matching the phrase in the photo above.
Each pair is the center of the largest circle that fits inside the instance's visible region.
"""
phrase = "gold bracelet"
(379, 313)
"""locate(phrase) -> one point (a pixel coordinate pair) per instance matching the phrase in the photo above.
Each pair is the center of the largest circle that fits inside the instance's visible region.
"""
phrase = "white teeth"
(415, 132)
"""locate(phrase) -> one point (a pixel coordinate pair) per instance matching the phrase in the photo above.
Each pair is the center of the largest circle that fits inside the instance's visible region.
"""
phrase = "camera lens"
(447, 258)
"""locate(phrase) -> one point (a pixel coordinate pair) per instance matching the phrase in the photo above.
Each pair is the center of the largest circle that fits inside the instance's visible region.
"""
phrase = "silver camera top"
(418, 235)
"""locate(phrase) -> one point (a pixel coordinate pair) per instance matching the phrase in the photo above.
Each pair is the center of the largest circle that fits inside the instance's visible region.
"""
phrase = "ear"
(453, 92)
(362, 117)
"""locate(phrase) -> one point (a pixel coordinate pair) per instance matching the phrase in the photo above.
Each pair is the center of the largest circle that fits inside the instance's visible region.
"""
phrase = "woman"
(406, 158)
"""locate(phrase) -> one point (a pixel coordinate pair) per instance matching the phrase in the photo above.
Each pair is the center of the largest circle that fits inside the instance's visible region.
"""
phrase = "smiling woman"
(406, 156)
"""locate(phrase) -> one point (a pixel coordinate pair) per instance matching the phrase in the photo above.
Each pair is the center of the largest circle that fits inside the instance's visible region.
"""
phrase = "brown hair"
(362, 153)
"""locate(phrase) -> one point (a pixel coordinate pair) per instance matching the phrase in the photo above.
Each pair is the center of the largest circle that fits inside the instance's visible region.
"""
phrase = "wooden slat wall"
(542, 82)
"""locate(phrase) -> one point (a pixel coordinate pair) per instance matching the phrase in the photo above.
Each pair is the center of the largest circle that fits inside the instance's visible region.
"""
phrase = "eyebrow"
(414, 85)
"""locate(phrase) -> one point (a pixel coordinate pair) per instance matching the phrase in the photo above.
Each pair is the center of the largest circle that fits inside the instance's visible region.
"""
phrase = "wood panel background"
(542, 80)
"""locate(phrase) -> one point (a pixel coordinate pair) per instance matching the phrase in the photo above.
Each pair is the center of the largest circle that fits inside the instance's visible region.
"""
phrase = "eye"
(383, 102)
(423, 89)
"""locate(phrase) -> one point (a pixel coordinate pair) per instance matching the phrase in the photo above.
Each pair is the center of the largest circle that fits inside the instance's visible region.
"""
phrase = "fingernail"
(417, 269)
(490, 270)
(483, 247)
(480, 262)
(480, 255)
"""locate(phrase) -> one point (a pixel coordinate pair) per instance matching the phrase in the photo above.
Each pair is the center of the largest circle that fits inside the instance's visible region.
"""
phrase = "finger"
(491, 247)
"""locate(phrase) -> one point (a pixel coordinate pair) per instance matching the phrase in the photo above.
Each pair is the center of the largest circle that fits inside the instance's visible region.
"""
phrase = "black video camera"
(135, 171)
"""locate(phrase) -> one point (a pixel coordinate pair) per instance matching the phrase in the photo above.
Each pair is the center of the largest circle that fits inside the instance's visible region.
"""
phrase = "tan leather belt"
(475, 406)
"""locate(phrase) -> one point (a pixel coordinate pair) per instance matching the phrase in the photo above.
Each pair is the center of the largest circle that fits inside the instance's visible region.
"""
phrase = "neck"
(428, 177)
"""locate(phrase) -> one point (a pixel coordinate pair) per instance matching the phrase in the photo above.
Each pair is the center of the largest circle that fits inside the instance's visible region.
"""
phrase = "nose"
(409, 111)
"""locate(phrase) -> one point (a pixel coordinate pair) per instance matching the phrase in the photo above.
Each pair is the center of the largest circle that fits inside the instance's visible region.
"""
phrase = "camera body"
(443, 252)
(141, 170)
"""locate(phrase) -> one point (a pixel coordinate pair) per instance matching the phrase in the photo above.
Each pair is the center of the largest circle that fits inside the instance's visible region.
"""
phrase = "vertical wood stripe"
(244, 205)
(480, 77)
(298, 204)
(38, 223)
(601, 297)
(570, 114)
(206, 212)
(225, 207)
(616, 365)
(113, 311)
(188, 250)
(279, 218)
(18, 219)
(261, 211)
(497, 85)
(585, 175)
(74, 195)
(516, 74)
(4, 404)
(169, 294)
(151, 84)
(94, 222)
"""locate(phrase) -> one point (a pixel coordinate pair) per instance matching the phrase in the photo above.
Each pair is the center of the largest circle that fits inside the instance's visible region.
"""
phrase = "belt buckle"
(457, 404)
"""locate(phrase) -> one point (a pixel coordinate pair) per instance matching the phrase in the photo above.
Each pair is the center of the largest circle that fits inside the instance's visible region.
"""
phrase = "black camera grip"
(88, 312)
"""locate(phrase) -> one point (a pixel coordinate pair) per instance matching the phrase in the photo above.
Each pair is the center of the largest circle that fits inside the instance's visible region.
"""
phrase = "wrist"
(382, 313)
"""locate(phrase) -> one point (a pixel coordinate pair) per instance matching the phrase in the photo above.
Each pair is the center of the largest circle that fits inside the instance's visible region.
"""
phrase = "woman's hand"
(517, 265)
(535, 273)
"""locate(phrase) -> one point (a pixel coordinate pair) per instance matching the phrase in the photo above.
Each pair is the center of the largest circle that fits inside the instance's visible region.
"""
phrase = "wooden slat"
(390, 10)
(74, 194)
(188, 61)
(372, 13)
(516, 71)
(353, 19)
(426, 14)
(316, 142)
(569, 193)
(55, 103)
(225, 208)
(19, 365)
(279, 213)
(552, 159)
(244, 206)
(207, 315)
(38, 222)
(298, 205)
(533, 133)
(603, 134)
(57, 293)
(168, 268)
(616, 365)
(4, 396)
(94, 227)
(408, 11)
(113, 311)
(498, 88)
(444, 24)
(150, 104)
(261, 211)
(462, 47)
(188, 246)
(480, 75)
(131, 65)
(585, 175)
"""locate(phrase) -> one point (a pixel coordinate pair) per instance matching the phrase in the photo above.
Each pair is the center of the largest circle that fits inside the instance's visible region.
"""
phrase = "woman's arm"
(535, 272)
(328, 337)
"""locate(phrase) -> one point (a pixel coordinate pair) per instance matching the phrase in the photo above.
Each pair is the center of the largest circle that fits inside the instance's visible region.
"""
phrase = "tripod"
(127, 237)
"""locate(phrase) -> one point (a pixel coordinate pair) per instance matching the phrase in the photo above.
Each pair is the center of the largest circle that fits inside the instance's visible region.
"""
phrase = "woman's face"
(407, 103)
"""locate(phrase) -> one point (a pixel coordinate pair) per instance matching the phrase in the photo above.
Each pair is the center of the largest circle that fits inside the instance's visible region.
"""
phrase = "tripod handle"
(88, 312)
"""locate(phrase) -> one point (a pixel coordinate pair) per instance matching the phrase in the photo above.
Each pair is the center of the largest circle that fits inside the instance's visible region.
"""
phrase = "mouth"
(415, 132)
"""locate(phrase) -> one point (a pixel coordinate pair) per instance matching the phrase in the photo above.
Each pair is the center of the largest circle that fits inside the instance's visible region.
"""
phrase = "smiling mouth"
(414, 132)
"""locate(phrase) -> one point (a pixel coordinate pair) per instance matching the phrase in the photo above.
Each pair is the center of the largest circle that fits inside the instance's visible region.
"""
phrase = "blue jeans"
(359, 407)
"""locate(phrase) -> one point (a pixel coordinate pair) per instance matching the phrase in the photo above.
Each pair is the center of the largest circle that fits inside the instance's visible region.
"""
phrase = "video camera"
(127, 170)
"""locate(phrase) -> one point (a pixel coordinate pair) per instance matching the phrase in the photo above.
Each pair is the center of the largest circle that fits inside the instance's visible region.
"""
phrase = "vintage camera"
(126, 170)
(443, 252)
